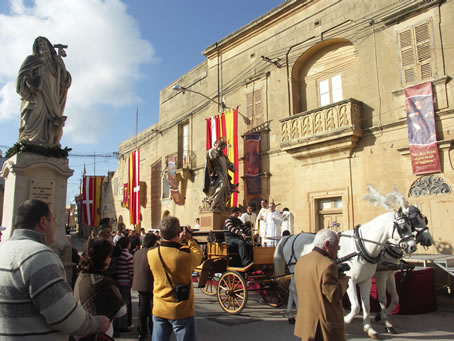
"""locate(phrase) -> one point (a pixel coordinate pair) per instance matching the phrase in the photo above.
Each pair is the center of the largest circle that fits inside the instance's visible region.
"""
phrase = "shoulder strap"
(164, 266)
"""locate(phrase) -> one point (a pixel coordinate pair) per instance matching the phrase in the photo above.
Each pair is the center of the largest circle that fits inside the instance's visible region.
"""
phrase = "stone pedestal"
(213, 220)
(33, 176)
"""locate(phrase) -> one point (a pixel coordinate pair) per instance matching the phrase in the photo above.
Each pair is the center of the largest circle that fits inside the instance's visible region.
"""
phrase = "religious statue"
(43, 84)
(217, 180)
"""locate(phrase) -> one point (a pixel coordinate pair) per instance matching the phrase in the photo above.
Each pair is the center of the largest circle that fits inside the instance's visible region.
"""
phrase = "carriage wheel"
(273, 294)
(232, 292)
(211, 286)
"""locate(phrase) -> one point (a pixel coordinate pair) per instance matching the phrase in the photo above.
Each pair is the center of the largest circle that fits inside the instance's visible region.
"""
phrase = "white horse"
(366, 241)
(391, 261)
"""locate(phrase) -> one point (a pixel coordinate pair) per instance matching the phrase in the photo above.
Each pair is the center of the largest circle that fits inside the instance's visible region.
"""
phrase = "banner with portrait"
(177, 197)
(252, 163)
(422, 137)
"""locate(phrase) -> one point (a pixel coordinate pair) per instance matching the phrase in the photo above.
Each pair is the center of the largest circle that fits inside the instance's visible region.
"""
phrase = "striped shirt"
(125, 269)
(36, 302)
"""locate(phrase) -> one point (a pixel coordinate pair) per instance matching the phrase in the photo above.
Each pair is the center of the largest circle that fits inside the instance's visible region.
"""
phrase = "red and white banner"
(422, 137)
(134, 187)
(213, 131)
(91, 197)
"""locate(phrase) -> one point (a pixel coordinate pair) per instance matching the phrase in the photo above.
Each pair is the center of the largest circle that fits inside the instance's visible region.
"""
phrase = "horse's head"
(403, 232)
(418, 223)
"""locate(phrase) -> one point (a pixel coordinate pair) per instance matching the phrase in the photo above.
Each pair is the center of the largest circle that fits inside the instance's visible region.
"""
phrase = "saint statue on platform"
(218, 187)
(43, 84)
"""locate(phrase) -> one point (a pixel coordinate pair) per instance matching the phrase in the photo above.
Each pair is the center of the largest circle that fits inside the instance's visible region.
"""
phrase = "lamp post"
(222, 104)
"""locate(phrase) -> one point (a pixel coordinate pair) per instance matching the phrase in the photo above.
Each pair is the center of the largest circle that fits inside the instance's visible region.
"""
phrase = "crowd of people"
(158, 266)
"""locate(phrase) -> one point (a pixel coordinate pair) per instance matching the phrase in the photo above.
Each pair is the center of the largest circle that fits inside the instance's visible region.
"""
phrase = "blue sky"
(120, 55)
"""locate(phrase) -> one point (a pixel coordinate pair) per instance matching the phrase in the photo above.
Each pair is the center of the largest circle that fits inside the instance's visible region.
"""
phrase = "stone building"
(323, 82)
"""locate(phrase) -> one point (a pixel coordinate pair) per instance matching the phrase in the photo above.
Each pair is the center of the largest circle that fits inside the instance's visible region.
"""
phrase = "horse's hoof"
(291, 320)
(373, 336)
(378, 317)
(390, 330)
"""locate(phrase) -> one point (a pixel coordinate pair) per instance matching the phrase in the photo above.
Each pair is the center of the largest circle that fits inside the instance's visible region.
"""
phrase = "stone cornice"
(256, 26)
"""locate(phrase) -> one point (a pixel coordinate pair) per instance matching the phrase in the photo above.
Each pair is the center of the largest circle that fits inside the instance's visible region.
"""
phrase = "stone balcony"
(326, 133)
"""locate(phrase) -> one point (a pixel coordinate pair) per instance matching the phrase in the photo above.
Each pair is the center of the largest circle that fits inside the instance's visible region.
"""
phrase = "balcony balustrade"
(325, 133)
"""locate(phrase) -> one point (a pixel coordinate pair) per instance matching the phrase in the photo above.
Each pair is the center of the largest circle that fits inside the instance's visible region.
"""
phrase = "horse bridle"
(413, 213)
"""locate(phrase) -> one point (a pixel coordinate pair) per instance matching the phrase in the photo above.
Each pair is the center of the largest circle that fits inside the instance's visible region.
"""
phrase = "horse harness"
(292, 260)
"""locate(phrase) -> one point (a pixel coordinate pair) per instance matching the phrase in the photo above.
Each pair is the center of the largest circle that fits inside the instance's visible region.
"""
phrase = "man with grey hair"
(36, 301)
(320, 290)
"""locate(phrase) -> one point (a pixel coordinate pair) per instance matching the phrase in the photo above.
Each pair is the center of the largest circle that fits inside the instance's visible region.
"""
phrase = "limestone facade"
(323, 81)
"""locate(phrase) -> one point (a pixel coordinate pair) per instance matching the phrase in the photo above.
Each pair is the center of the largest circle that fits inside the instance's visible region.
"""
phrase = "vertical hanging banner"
(173, 181)
(422, 138)
(252, 163)
(213, 131)
(229, 130)
(125, 202)
(134, 187)
(91, 197)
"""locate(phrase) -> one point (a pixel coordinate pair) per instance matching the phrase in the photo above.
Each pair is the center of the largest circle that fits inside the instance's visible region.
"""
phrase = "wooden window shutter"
(258, 107)
(416, 53)
(423, 50)
(407, 54)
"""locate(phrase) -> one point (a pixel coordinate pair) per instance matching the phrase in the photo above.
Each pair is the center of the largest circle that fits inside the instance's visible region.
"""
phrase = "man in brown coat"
(143, 283)
(320, 290)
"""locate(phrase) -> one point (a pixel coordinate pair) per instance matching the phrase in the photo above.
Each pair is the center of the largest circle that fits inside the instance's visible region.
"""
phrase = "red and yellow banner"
(229, 130)
(422, 137)
(91, 199)
(134, 187)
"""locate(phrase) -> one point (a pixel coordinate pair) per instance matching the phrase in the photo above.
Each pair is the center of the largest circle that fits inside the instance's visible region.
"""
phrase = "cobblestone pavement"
(260, 322)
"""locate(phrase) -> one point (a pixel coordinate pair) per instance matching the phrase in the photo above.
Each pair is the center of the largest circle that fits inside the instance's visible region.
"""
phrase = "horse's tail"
(279, 259)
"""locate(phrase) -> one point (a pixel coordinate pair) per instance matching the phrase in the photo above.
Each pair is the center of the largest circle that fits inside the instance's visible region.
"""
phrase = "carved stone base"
(33, 176)
(213, 220)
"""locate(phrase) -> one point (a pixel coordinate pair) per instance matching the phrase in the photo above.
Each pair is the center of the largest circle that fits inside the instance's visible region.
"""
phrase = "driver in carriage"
(237, 234)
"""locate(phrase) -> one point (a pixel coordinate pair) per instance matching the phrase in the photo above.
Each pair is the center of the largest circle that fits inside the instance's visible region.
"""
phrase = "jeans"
(184, 329)
(145, 316)
(244, 250)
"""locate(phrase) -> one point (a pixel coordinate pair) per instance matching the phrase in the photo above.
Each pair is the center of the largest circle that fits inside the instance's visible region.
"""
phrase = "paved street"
(260, 322)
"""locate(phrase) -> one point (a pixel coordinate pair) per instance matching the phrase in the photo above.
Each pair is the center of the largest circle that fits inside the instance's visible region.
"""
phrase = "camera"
(342, 267)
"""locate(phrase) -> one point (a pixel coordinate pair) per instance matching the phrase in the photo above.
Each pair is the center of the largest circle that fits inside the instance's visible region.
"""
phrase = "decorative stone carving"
(43, 83)
(335, 128)
(429, 185)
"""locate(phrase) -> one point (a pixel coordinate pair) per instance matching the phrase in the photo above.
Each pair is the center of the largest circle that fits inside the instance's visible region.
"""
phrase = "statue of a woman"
(43, 83)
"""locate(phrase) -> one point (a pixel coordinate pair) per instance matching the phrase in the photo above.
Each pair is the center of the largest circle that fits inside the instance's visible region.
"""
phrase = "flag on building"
(91, 199)
(134, 187)
(252, 163)
(213, 131)
(422, 137)
(226, 126)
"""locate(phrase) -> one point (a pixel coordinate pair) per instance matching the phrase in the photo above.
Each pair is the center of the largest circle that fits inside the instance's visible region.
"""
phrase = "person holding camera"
(320, 289)
(172, 263)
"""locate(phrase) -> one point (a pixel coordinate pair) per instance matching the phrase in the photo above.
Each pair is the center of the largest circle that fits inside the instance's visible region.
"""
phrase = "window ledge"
(437, 81)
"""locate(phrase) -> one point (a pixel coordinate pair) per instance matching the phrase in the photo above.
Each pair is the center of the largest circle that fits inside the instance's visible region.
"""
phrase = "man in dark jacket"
(236, 234)
(143, 283)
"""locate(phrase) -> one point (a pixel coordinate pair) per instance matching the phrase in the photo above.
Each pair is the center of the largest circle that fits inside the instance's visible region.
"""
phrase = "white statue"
(43, 84)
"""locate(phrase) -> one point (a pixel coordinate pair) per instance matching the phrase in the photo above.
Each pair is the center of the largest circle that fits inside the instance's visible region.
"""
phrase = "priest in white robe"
(273, 223)
(260, 220)
(287, 220)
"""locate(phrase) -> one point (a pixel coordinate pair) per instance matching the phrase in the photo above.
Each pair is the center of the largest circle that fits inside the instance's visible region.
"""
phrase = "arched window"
(323, 75)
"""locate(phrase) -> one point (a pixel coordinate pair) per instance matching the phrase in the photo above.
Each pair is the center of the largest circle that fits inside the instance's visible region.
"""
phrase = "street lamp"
(182, 89)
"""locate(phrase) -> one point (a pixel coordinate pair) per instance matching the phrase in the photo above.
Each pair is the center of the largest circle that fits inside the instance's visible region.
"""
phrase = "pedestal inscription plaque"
(42, 190)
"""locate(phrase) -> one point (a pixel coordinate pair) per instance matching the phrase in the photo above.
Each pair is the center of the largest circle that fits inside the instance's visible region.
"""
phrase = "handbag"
(180, 291)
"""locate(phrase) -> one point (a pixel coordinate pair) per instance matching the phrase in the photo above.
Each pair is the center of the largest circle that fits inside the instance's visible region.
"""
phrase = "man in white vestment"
(287, 220)
(249, 217)
(273, 223)
(260, 220)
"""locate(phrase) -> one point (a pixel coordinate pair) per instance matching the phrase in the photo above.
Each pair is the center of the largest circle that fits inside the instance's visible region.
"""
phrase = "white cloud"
(105, 52)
